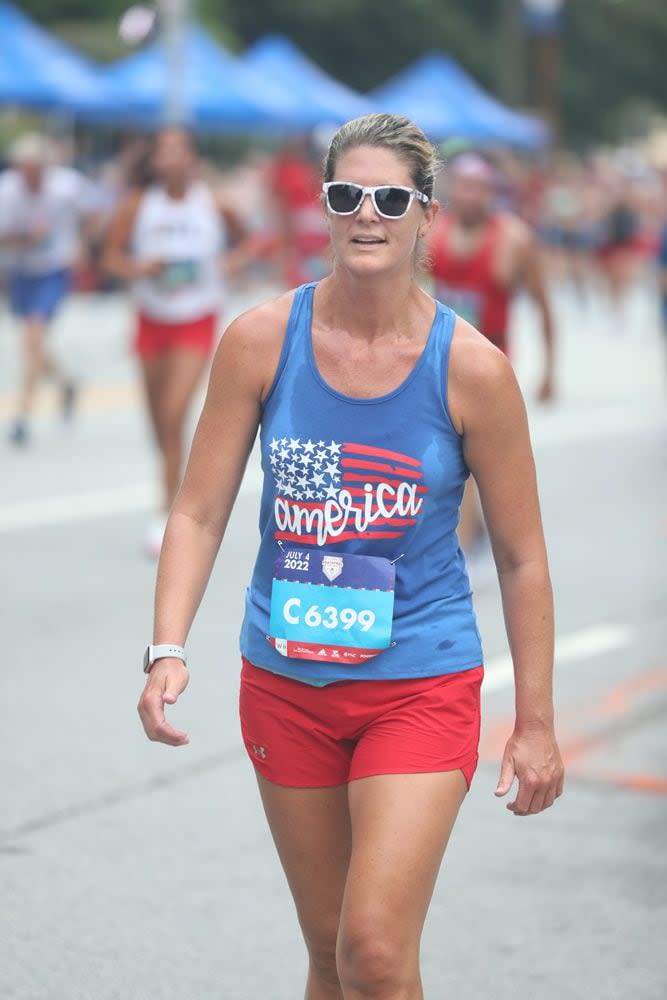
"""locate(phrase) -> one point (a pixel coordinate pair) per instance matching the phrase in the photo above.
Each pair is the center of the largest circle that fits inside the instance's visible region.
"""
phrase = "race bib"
(177, 273)
(331, 607)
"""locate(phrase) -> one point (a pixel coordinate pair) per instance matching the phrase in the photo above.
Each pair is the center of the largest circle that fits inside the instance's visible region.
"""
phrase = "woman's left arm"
(498, 452)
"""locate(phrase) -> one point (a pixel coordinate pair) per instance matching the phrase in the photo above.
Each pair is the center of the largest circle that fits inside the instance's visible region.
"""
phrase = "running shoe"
(154, 536)
(18, 432)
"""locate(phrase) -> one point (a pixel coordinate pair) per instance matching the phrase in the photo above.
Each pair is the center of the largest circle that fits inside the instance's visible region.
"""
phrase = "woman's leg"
(182, 375)
(170, 382)
(311, 831)
(37, 362)
(400, 828)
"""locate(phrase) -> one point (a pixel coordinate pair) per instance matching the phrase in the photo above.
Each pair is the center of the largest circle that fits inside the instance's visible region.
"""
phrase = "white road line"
(91, 505)
(571, 648)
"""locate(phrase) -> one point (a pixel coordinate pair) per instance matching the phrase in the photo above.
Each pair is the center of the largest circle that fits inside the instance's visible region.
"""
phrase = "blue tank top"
(396, 464)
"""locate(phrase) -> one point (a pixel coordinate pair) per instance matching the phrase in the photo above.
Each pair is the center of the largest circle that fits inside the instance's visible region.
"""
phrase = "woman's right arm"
(241, 376)
(118, 260)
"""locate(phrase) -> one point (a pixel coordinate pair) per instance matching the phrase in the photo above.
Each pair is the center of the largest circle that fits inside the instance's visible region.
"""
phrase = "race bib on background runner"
(331, 607)
(466, 302)
(178, 273)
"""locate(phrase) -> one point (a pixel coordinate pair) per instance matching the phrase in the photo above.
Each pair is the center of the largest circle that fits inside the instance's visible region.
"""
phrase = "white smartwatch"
(161, 652)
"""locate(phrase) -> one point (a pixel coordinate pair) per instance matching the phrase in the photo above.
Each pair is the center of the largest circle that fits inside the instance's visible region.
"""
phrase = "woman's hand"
(147, 269)
(532, 756)
(167, 679)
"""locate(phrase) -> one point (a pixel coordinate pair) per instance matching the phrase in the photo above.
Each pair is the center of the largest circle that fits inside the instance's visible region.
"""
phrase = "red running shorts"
(313, 737)
(154, 337)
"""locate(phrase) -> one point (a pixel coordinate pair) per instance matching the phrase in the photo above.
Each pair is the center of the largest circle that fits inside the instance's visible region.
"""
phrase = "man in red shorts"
(479, 259)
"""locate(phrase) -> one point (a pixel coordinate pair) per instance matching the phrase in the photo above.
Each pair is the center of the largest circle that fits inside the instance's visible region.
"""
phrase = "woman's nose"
(367, 209)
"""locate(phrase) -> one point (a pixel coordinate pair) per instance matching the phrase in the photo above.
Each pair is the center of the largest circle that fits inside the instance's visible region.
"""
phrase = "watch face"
(147, 655)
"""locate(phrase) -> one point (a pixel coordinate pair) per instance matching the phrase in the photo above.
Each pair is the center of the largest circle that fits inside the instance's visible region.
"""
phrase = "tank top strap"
(301, 313)
(440, 340)
(297, 332)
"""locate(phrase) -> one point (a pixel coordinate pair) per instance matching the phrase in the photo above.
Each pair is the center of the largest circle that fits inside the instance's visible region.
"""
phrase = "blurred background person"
(168, 240)
(295, 182)
(479, 258)
(42, 209)
(567, 227)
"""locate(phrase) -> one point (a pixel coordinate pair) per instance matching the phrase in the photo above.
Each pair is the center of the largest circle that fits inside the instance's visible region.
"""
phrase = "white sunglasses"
(391, 201)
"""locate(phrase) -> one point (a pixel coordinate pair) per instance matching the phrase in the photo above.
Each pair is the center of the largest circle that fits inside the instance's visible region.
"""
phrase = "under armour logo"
(259, 751)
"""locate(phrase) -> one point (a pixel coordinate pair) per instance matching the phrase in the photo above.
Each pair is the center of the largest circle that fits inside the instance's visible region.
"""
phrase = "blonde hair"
(393, 132)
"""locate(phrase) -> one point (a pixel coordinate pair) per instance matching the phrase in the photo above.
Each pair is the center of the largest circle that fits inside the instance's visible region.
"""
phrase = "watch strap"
(161, 652)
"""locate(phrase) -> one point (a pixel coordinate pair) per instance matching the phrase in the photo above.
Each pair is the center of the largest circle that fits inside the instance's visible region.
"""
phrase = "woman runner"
(362, 661)
(168, 240)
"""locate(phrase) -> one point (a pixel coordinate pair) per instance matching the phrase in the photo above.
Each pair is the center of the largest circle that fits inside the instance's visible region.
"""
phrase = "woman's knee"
(375, 963)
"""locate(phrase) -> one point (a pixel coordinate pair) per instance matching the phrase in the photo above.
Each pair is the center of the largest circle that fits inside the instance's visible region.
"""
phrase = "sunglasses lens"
(344, 198)
(392, 201)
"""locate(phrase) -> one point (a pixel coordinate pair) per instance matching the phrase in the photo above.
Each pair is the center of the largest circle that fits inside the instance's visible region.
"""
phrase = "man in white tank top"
(170, 241)
(42, 207)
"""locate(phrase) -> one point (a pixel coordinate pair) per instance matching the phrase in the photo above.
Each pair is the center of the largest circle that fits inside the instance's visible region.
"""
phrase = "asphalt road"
(135, 871)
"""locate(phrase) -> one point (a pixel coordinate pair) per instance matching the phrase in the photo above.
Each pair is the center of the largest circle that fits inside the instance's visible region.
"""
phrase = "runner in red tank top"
(469, 284)
(479, 259)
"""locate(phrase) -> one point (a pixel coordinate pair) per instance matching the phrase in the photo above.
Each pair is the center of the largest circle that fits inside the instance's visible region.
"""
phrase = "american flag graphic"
(339, 490)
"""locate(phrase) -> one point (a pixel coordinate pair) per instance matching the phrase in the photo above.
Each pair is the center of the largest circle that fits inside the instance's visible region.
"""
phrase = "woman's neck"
(370, 306)
(176, 189)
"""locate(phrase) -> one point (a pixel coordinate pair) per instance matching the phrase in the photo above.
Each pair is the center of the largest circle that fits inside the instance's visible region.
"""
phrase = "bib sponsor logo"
(332, 567)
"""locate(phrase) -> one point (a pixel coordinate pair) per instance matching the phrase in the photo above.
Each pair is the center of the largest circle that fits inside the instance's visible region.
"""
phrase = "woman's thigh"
(311, 831)
(401, 824)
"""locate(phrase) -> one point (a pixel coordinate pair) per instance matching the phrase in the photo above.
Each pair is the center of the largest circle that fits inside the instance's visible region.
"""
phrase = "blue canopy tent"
(436, 93)
(321, 99)
(219, 91)
(39, 71)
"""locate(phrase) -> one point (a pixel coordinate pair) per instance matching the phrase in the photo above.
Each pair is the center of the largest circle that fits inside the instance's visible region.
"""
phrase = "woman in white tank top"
(168, 241)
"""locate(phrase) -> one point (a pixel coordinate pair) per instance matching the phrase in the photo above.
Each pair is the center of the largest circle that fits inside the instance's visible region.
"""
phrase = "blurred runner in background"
(168, 240)
(480, 257)
(295, 180)
(42, 207)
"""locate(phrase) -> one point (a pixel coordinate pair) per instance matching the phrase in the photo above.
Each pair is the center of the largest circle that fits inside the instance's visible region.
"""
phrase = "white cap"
(31, 147)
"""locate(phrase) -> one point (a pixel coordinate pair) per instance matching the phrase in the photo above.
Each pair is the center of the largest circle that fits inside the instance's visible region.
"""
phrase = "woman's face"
(174, 157)
(366, 243)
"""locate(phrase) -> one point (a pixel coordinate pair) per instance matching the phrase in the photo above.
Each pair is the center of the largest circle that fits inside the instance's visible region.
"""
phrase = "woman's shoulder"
(480, 375)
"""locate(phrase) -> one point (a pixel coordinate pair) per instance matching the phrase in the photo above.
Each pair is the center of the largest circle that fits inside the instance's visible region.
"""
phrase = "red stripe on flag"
(393, 470)
(346, 536)
(395, 456)
(352, 477)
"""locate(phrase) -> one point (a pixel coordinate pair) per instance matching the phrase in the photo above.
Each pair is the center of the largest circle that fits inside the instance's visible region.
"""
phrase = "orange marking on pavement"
(576, 747)
(620, 697)
(635, 782)
(92, 399)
